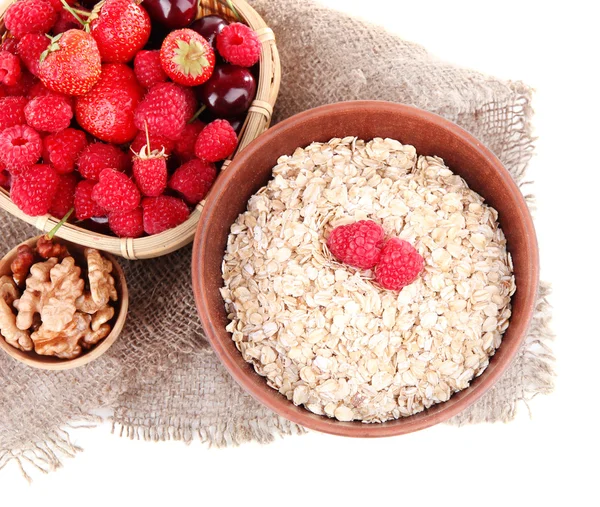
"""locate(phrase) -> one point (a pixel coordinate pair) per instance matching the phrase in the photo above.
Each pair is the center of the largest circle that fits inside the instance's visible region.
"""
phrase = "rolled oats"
(325, 335)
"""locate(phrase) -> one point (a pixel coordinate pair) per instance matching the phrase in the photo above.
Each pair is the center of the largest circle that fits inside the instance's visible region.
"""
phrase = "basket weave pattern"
(257, 121)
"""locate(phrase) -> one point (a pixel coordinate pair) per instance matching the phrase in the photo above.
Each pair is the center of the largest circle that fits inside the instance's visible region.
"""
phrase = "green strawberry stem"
(74, 13)
(54, 230)
(197, 114)
(82, 12)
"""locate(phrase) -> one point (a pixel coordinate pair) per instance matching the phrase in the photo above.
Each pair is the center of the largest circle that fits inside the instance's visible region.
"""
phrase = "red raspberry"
(66, 21)
(358, 244)
(150, 172)
(399, 266)
(30, 48)
(85, 206)
(23, 85)
(148, 69)
(39, 90)
(116, 192)
(20, 148)
(99, 156)
(9, 44)
(65, 195)
(12, 112)
(162, 213)
(63, 149)
(157, 143)
(33, 190)
(127, 224)
(30, 16)
(193, 180)
(49, 113)
(166, 110)
(216, 142)
(10, 68)
(185, 146)
(239, 45)
(190, 102)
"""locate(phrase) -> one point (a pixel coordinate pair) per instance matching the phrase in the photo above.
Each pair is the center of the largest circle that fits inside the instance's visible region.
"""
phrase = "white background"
(549, 458)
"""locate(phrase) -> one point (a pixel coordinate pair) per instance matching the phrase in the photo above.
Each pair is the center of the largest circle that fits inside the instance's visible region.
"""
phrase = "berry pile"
(362, 245)
(123, 112)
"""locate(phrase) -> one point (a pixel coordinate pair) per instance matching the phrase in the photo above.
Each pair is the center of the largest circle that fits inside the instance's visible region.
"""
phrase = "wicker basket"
(257, 121)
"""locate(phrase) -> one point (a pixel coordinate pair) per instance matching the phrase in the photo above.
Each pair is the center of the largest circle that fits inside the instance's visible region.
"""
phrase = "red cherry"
(172, 13)
(229, 91)
(209, 27)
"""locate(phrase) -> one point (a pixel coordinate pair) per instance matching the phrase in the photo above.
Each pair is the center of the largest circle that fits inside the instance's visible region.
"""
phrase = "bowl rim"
(98, 350)
(435, 414)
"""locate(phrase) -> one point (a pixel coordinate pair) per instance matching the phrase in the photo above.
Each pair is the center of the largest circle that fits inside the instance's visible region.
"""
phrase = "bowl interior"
(431, 135)
(117, 322)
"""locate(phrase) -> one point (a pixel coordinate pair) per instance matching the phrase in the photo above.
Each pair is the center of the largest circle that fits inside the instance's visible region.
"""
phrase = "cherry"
(209, 27)
(229, 91)
(172, 13)
(237, 123)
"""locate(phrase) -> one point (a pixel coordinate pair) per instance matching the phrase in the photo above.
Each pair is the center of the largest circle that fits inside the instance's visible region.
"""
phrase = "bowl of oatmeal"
(324, 344)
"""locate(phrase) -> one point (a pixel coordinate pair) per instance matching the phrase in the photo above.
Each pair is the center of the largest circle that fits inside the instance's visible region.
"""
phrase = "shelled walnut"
(65, 306)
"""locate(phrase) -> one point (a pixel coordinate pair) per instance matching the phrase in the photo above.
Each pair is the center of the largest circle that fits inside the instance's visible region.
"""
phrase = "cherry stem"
(72, 11)
(197, 114)
(87, 14)
(233, 9)
(54, 230)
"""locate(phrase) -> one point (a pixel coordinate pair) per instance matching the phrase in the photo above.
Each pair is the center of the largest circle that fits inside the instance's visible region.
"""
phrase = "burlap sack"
(160, 378)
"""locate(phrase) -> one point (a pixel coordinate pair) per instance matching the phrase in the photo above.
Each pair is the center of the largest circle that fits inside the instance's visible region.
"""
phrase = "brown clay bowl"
(117, 322)
(431, 135)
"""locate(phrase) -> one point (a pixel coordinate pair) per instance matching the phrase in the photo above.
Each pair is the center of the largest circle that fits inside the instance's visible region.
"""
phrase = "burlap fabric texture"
(160, 378)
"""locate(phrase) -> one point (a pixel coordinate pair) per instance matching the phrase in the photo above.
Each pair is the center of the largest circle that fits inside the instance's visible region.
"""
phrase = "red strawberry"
(49, 113)
(85, 206)
(185, 146)
(107, 110)
(127, 224)
(71, 64)
(150, 171)
(187, 57)
(162, 213)
(157, 142)
(116, 192)
(63, 148)
(65, 195)
(20, 148)
(166, 109)
(121, 28)
(12, 112)
(99, 156)
(193, 180)
(148, 69)
(29, 16)
(10, 68)
(30, 49)
(33, 190)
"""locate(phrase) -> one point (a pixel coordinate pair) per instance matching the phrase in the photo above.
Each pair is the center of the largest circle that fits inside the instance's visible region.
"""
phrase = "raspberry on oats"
(20, 147)
(358, 244)
(399, 265)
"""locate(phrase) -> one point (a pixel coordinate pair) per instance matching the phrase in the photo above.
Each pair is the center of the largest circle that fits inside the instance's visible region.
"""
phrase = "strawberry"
(150, 170)
(121, 28)
(71, 64)
(106, 111)
(187, 57)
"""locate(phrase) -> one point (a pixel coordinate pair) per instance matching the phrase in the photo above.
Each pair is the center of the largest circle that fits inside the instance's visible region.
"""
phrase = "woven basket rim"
(257, 121)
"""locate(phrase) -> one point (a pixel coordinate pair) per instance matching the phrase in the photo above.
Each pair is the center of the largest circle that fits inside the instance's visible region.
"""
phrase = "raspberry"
(116, 192)
(66, 21)
(30, 16)
(65, 195)
(185, 146)
(148, 69)
(156, 143)
(127, 224)
(99, 156)
(30, 48)
(358, 244)
(162, 213)
(239, 45)
(216, 142)
(20, 148)
(49, 113)
(85, 206)
(399, 266)
(9, 44)
(33, 190)
(10, 68)
(23, 85)
(39, 90)
(150, 173)
(12, 112)
(193, 180)
(63, 149)
(166, 110)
